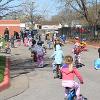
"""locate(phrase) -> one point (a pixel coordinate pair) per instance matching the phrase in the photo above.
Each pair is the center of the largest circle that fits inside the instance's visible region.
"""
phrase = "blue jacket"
(58, 56)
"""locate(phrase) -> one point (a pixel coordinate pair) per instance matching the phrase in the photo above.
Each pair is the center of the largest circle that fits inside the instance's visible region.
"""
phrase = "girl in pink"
(26, 41)
(68, 73)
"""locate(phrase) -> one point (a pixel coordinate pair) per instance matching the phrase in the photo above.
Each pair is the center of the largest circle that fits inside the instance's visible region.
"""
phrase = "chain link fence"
(87, 32)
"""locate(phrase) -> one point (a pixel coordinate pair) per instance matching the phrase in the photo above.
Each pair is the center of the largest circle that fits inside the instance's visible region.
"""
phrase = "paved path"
(41, 84)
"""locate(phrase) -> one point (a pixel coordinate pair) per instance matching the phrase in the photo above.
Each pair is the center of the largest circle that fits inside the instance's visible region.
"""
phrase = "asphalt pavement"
(31, 83)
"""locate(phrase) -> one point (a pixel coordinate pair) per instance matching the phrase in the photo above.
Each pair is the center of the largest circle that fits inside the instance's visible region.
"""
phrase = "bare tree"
(82, 7)
(6, 8)
(29, 9)
(32, 13)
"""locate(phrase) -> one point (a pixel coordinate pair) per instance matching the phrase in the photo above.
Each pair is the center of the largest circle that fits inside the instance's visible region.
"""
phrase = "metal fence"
(87, 32)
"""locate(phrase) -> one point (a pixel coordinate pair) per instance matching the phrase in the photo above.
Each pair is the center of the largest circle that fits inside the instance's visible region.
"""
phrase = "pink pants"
(71, 84)
(18, 43)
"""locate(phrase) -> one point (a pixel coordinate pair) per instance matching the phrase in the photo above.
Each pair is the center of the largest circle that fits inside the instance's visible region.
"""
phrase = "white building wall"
(50, 26)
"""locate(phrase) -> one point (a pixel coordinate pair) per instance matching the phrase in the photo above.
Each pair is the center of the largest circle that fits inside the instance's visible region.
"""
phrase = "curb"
(6, 82)
(18, 85)
(88, 45)
(93, 46)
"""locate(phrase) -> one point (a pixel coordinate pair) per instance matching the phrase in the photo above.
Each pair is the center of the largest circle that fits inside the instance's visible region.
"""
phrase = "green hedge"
(2, 67)
(4, 42)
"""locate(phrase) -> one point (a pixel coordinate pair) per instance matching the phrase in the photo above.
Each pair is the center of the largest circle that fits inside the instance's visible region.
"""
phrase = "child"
(99, 51)
(97, 61)
(34, 50)
(57, 44)
(68, 73)
(49, 41)
(77, 49)
(83, 45)
(40, 42)
(18, 40)
(58, 60)
(29, 40)
(26, 41)
(12, 41)
(40, 55)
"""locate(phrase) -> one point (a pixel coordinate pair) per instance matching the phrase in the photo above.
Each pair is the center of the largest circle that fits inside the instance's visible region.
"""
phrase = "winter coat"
(58, 56)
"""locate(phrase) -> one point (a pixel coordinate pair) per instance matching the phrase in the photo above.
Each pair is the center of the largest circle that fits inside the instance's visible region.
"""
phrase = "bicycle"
(72, 95)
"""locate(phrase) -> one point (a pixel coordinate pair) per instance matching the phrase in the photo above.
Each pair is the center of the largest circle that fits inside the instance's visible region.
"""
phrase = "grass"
(2, 67)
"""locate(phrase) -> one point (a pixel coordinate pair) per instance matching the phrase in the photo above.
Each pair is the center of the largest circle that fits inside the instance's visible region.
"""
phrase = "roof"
(9, 21)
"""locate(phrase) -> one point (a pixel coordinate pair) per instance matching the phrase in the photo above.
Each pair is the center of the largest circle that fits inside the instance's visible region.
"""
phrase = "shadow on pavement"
(21, 66)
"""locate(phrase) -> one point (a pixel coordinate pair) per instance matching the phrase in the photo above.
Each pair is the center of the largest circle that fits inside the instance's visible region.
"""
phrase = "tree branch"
(7, 2)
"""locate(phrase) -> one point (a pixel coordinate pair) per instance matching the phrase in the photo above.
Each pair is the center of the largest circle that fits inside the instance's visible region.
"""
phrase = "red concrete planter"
(6, 82)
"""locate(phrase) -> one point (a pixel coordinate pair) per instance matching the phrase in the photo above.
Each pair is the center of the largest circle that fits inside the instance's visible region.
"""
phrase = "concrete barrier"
(6, 82)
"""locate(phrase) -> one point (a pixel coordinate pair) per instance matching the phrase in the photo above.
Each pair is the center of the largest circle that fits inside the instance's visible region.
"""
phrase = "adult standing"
(16, 35)
(22, 35)
(6, 34)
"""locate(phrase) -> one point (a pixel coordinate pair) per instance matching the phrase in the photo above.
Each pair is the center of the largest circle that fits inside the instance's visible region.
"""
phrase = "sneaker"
(82, 97)
(56, 77)
(60, 77)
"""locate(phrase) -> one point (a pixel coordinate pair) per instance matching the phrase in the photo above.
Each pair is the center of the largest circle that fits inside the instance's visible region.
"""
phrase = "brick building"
(12, 25)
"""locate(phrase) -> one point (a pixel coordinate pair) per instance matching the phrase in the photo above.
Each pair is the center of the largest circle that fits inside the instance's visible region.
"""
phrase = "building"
(12, 25)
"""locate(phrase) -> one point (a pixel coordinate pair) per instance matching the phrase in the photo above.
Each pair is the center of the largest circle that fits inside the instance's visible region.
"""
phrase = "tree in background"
(82, 7)
(6, 8)
(87, 10)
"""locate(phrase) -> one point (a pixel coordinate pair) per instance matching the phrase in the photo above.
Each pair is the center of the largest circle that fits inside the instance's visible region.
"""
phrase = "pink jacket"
(66, 75)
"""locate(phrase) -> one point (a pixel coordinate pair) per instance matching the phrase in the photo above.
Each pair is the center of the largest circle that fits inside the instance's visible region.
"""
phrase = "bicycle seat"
(69, 88)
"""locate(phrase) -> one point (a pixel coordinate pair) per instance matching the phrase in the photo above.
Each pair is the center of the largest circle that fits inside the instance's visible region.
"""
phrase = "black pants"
(58, 70)
(99, 54)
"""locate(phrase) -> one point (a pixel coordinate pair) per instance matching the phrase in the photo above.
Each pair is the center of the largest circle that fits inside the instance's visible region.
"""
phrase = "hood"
(58, 47)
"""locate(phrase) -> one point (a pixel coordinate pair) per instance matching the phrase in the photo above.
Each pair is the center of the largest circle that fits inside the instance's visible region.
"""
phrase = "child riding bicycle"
(58, 60)
(68, 73)
(77, 49)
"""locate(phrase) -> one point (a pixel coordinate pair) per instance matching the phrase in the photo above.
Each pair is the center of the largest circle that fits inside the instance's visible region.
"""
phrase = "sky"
(51, 6)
